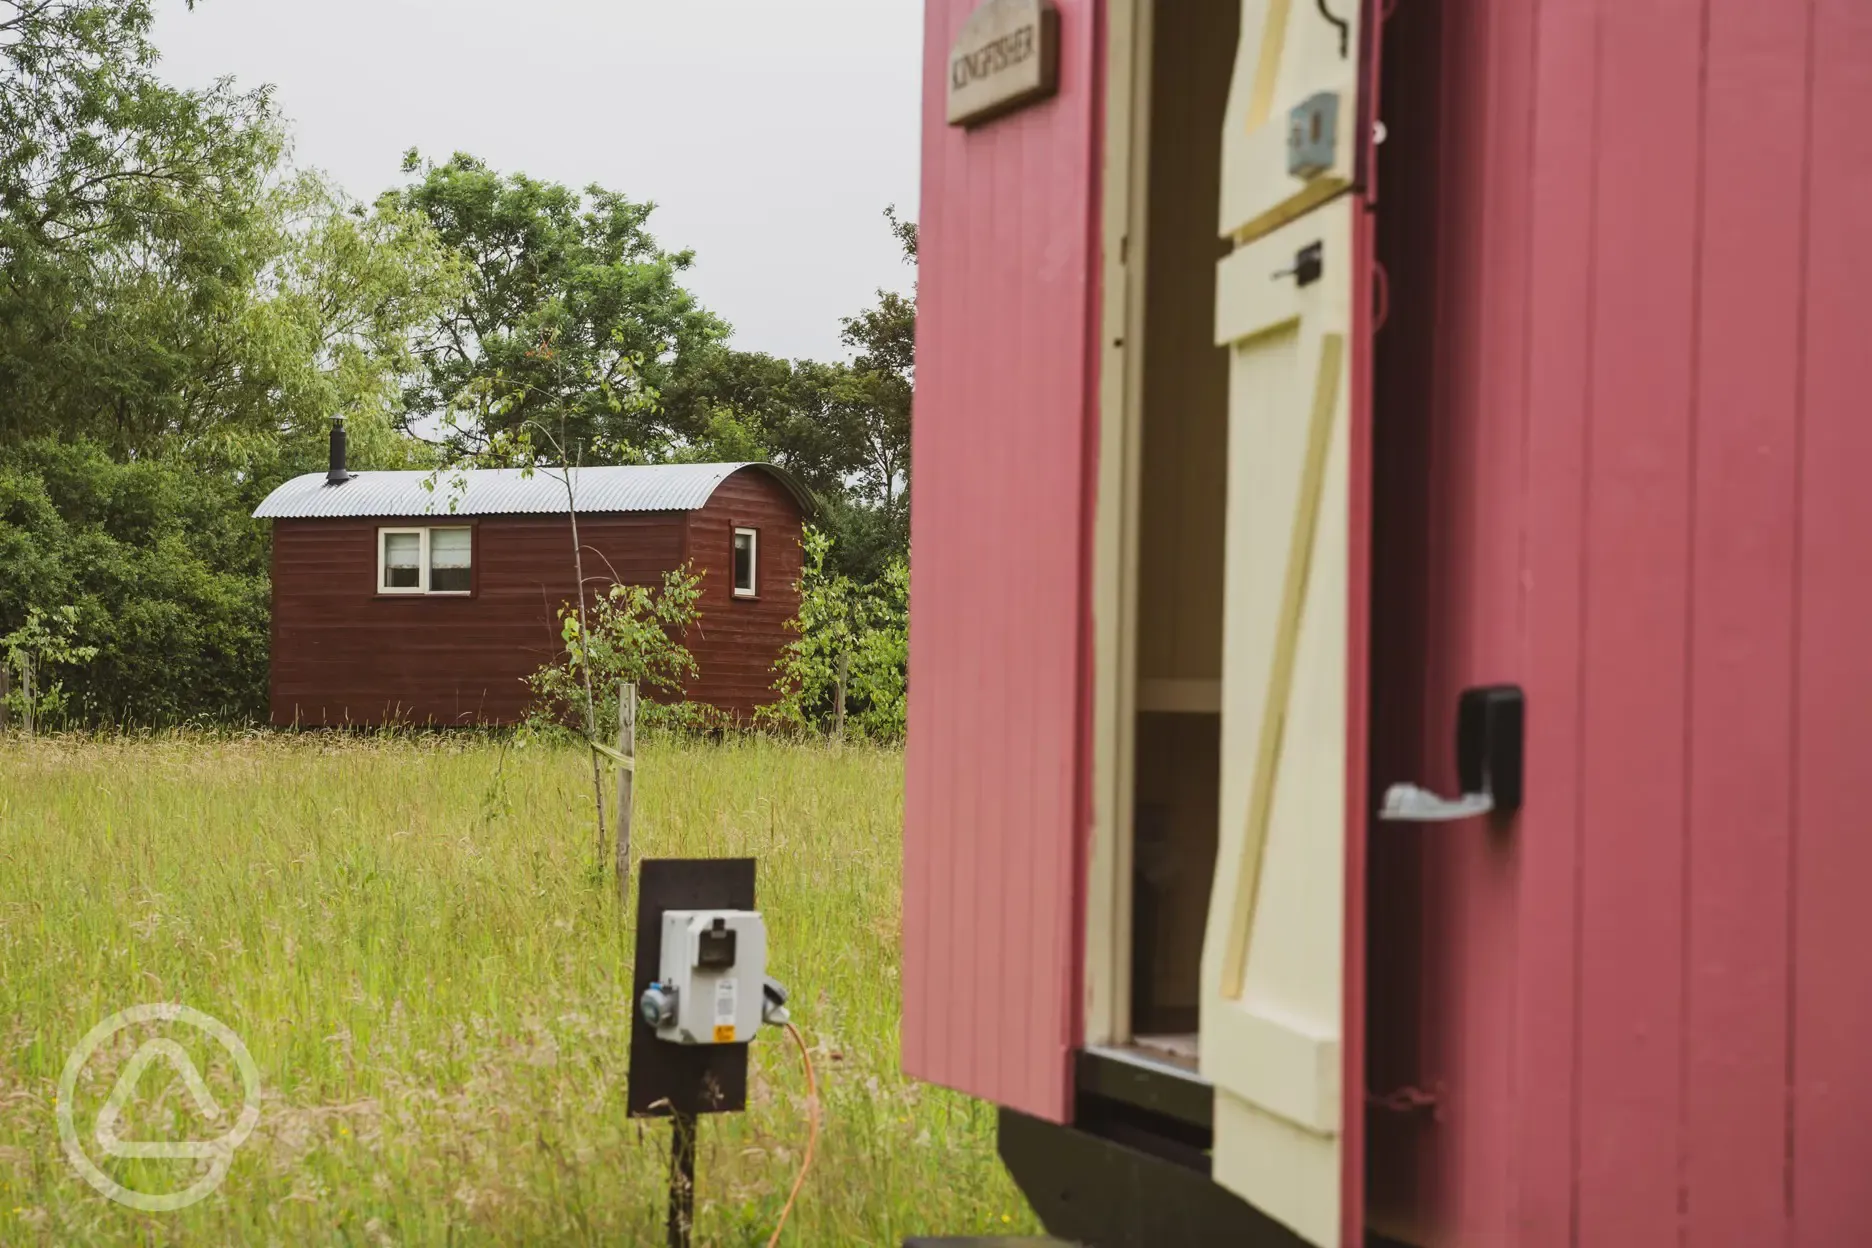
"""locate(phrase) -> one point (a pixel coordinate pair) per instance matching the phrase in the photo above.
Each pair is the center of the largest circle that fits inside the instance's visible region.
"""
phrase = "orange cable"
(812, 1133)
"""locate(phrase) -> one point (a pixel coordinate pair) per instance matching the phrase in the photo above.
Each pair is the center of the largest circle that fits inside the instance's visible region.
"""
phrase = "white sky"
(771, 134)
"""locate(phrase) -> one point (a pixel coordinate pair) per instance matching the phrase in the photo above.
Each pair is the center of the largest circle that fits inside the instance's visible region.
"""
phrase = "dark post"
(838, 696)
(683, 1081)
(682, 1179)
(626, 784)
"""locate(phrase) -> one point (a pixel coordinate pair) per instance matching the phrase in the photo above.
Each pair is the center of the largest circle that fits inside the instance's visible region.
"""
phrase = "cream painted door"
(1273, 955)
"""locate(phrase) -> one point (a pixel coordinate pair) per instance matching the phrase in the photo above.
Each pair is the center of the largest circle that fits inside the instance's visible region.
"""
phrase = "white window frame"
(422, 566)
(753, 587)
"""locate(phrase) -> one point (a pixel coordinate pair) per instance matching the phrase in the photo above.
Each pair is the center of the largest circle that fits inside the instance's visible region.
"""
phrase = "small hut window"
(745, 543)
(449, 553)
(425, 561)
(402, 561)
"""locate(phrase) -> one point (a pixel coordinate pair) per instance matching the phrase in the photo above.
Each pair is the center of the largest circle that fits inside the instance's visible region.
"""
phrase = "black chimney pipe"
(338, 474)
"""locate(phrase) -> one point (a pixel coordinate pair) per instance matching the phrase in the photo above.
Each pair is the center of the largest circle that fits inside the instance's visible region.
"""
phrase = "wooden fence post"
(626, 783)
(838, 696)
(6, 690)
(26, 685)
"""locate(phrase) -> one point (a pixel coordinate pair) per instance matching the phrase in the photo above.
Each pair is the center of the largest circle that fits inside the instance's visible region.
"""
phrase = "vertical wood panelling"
(1451, 1174)
(1457, 912)
(1688, 1055)
(1733, 1141)
(1667, 547)
(1644, 1005)
(1555, 407)
(995, 783)
(1478, 637)
(1830, 852)
(1637, 602)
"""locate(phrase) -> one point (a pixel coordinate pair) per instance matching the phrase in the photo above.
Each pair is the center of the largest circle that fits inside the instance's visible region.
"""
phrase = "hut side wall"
(1644, 1006)
(740, 639)
(996, 789)
(345, 654)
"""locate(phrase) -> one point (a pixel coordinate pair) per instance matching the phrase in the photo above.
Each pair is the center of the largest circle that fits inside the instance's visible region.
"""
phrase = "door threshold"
(1179, 1049)
(1154, 1053)
(1146, 1079)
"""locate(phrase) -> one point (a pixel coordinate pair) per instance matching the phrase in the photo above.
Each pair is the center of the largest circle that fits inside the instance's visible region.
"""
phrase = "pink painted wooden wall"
(1648, 1005)
(995, 792)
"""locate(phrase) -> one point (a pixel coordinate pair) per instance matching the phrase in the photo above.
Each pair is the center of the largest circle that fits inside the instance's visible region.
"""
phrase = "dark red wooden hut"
(1286, 372)
(397, 602)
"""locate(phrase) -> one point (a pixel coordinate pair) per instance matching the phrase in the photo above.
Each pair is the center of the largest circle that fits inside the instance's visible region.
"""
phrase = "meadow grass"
(412, 940)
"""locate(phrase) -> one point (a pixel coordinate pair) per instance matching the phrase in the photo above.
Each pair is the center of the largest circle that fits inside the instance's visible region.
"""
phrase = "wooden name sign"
(1006, 57)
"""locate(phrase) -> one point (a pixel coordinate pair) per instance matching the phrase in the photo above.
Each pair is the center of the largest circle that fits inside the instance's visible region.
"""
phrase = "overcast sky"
(771, 134)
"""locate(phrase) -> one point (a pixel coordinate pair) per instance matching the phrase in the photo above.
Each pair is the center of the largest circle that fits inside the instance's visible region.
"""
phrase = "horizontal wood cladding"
(343, 653)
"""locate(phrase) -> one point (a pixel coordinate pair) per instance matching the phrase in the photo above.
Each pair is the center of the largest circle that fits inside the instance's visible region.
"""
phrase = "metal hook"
(1345, 27)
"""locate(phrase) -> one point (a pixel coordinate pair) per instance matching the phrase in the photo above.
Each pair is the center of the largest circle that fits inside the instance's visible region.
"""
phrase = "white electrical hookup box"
(711, 978)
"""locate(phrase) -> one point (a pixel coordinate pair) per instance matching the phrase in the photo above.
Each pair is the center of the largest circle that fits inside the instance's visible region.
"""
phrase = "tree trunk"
(838, 696)
(591, 697)
(626, 784)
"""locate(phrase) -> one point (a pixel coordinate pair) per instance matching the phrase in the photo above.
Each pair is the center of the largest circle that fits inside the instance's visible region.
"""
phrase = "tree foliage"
(569, 299)
(164, 281)
(180, 317)
(850, 638)
(182, 313)
(32, 653)
(165, 573)
(631, 633)
(842, 427)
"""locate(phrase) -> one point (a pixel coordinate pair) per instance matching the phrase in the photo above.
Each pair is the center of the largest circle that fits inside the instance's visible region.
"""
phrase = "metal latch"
(1406, 803)
(1308, 265)
(1313, 135)
(1490, 730)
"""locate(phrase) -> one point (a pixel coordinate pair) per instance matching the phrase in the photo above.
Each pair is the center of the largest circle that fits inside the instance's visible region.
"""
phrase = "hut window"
(425, 561)
(402, 561)
(745, 543)
(449, 553)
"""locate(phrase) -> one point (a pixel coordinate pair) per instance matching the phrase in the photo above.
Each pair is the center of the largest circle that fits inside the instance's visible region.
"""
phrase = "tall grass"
(412, 940)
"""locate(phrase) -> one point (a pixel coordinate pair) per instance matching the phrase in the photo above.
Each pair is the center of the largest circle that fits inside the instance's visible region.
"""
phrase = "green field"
(411, 939)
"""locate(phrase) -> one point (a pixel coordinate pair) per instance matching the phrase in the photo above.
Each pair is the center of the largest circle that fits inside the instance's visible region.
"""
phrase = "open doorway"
(1179, 414)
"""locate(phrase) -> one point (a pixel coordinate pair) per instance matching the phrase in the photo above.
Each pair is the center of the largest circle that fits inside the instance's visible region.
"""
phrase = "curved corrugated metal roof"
(511, 492)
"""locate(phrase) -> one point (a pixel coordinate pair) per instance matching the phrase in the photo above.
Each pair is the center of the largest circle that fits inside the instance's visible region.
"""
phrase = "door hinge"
(1409, 1100)
(1345, 27)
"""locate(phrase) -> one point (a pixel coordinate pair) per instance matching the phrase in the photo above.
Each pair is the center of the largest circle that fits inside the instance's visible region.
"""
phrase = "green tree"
(180, 317)
(750, 405)
(881, 380)
(570, 302)
(631, 633)
(846, 670)
(866, 405)
(843, 428)
(111, 183)
(164, 570)
(164, 282)
(30, 652)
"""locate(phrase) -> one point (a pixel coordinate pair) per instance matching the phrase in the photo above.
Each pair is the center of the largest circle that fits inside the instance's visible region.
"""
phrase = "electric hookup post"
(702, 992)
